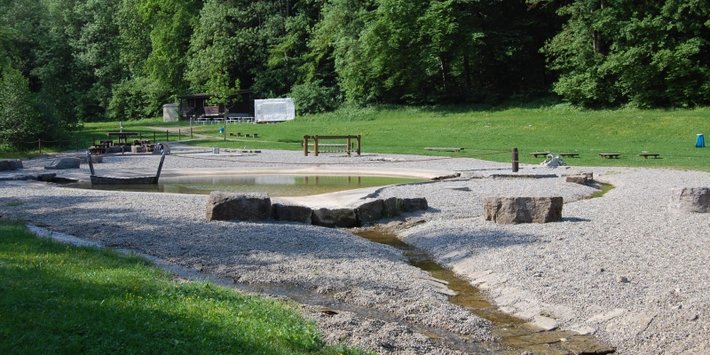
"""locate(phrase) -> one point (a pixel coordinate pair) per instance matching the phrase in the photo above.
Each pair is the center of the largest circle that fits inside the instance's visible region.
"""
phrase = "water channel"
(516, 335)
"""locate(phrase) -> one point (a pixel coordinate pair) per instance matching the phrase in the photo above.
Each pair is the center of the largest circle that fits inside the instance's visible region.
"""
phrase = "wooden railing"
(320, 147)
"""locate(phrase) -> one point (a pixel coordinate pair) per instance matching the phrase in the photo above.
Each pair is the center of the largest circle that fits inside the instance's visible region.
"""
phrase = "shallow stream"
(516, 335)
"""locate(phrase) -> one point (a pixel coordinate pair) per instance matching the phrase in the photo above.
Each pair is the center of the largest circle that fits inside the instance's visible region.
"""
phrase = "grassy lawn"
(486, 133)
(56, 298)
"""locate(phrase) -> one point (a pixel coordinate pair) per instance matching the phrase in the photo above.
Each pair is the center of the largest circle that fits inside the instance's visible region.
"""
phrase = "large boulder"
(64, 163)
(691, 199)
(338, 217)
(294, 213)
(225, 206)
(10, 164)
(391, 207)
(370, 212)
(413, 204)
(513, 210)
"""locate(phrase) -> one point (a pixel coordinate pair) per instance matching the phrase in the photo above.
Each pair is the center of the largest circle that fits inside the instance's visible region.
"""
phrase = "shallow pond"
(274, 185)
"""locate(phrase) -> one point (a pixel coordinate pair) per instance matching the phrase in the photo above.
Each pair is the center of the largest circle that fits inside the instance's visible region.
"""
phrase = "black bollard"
(515, 160)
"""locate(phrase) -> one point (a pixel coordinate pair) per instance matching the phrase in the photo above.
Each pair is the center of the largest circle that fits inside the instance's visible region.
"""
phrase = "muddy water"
(516, 335)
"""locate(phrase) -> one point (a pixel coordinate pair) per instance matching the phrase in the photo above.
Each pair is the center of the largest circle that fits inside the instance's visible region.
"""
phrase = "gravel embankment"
(570, 271)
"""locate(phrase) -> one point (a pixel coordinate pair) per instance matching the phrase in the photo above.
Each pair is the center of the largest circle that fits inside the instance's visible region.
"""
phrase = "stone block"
(413, 204)
(46, 177)
(225, 206)
(691, 199)
(513, 210)
(339, 217)
(294, 213)
(64, 163)
(391, 207)
(370, 212)
(10, 164)
(582, 178)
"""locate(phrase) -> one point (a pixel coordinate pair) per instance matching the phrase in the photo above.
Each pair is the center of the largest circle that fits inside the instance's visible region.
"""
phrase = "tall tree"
(230, 45)
(613, 52)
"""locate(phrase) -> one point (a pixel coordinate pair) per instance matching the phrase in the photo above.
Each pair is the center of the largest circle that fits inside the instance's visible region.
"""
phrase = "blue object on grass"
(700, 142)
(221, 130)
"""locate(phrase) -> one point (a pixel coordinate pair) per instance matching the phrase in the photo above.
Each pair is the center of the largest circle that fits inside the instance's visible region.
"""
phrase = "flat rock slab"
(691, 199)
(10, 164)
(514, 210)
(225, 206)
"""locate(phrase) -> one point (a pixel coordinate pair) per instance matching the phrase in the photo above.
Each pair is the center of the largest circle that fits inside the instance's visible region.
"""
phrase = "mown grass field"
(486, 133)
(58, 299)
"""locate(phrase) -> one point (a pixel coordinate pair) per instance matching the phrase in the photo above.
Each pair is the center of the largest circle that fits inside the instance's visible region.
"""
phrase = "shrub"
(314, 97)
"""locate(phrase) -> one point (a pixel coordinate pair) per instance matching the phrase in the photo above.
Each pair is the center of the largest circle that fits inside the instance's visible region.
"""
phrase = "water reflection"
(274, 185)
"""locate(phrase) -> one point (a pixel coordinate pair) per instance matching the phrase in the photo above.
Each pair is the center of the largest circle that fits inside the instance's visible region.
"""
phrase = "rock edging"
(226, 206)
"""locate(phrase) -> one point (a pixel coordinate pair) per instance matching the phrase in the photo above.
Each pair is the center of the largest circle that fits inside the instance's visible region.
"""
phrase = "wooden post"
(515, 160)
(167, 136)
(315, 144)
(358, 144)
(348, 147)
(40, 146)
(305, 145)
(179, 135)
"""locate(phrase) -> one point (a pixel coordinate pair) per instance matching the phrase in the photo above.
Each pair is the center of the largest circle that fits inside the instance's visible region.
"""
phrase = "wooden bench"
(645, 155)
(444, 149)
(571, 155)
(539, 154)
(319, 147)
(610, 155)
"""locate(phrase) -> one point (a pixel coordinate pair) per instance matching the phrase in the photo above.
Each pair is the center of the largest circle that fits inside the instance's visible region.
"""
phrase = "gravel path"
(574, 271)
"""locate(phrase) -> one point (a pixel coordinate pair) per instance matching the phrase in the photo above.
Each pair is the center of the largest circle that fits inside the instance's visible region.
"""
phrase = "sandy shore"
(623, 267)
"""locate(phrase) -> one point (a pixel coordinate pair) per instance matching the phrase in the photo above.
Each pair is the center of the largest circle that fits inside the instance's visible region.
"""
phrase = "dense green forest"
(63, 62)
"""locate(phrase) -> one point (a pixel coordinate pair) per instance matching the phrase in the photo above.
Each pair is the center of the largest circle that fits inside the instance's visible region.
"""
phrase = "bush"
(134, 99)
(20, 122)
(313, 97)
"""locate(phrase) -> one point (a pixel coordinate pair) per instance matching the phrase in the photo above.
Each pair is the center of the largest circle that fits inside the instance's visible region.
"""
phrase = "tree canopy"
(122, 59)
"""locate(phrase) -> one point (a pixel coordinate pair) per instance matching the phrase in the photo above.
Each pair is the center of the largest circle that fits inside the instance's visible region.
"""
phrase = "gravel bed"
(623, 267)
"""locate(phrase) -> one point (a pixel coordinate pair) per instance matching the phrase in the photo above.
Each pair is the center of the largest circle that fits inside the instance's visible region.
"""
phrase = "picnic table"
(609, 155)
(122, 136)
(645, 155)
(539, 154)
